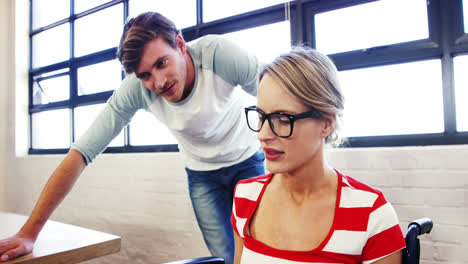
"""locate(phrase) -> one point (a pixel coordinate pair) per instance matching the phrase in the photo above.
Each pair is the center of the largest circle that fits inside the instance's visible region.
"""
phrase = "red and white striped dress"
(365, 227)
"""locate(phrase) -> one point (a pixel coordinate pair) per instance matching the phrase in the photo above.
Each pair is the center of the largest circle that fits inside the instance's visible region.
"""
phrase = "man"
(190, 88)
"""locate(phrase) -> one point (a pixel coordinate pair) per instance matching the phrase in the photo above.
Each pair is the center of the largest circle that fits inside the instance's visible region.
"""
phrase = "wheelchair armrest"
(424, 224)
(204, 260)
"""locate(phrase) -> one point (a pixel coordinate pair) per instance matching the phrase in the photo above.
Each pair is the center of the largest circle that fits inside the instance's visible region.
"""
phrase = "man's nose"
(159, 81)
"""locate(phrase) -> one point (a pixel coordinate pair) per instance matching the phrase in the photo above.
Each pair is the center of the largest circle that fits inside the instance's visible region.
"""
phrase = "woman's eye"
(284, 121)
(280, 119)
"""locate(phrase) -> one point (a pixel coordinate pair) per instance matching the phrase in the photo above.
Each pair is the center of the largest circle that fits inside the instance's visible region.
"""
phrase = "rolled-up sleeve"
(237, 65)
(117, 113)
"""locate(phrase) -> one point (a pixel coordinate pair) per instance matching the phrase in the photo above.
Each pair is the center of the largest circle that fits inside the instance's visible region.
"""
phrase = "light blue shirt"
(209, 125)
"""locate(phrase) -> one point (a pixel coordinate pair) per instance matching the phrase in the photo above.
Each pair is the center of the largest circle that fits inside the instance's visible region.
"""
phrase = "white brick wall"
(141, 197)
(420, 182)
(5, 26)
(144, 198)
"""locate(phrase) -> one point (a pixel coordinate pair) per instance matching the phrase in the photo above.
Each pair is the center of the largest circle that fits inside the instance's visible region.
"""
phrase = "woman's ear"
(328, 125)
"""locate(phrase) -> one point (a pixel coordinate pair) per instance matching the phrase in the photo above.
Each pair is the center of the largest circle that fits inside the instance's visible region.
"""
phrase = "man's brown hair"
(138, 32)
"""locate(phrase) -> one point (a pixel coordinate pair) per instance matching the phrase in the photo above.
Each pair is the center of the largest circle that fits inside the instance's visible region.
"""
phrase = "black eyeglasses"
(280, 123)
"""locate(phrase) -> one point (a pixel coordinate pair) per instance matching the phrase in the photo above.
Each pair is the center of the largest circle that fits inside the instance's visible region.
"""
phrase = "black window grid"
(446, 40)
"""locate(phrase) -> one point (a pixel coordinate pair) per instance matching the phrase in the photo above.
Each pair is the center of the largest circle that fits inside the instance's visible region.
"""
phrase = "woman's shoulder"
(260, 178)
(351, 182)
(250, 188)
(355, 193)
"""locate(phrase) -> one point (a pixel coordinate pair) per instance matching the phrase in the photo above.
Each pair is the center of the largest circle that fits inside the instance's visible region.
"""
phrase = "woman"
(305, 211)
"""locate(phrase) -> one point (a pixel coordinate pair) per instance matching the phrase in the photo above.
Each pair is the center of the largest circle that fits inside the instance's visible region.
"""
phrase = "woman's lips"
(272, 154)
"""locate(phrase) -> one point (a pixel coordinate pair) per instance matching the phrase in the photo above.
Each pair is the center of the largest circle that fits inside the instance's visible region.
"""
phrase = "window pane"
(46, 12)
(98, 31)
(51, 46)
(51, 129)
(99, 77)
(182, 12)
(85, 115)
(83, 5)
(145, 129)
(396, 99)
(278, 33)
(350, 28)
(51, 90)
(465, 14)
(216, 9)
(461, 92)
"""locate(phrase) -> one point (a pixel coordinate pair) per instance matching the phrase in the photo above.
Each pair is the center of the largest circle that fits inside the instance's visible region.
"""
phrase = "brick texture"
(144, 198)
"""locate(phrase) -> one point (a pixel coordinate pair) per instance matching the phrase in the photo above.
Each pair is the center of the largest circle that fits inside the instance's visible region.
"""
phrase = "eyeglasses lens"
(280, 124)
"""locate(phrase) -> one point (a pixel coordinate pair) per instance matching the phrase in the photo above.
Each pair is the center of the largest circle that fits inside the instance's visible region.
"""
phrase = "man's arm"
(117, 113)
(58, 186)
(236, 65)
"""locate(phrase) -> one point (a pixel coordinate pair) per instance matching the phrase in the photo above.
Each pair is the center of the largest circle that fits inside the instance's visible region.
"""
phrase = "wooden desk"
(60, 243)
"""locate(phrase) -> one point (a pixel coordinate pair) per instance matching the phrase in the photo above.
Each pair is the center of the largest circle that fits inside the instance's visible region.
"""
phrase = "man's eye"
(161, 63)
(144, 76)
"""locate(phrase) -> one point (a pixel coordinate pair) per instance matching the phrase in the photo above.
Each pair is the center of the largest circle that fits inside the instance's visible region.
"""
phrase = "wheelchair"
(410, 254)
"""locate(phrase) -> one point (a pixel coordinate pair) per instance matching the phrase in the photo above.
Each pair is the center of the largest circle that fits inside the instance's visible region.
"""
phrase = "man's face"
(163, 69)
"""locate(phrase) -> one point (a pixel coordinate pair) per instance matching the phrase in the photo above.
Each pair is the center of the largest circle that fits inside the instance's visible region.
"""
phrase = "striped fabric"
(365, 227)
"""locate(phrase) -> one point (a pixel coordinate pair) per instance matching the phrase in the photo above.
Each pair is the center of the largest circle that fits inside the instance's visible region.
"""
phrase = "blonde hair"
(312, 78)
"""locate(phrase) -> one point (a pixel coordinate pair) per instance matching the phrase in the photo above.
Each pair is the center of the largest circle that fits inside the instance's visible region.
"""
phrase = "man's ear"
(328, 125)
(181, 44)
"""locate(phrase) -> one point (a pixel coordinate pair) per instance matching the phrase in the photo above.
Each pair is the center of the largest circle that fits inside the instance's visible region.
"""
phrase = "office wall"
(143, 197)
(5, 74)
(420, 181)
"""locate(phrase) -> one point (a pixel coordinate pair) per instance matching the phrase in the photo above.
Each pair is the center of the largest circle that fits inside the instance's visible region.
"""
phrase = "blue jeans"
(212, 193)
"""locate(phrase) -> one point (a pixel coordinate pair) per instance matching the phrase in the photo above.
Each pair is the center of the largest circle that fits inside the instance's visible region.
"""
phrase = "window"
(216, 9)
(51, 87)
(45, 138)
(461, 92)
(182, 12)
(51, 46)
(74, 69)
(277, 33)
(45, 12)
(465, 14)
(387, 100)
(100, 77)
(401, 63)
(98, 31)
(83, 5)
(350, 28)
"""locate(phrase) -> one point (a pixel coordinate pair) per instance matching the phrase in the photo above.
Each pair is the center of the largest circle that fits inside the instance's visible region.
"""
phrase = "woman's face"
(288, 155)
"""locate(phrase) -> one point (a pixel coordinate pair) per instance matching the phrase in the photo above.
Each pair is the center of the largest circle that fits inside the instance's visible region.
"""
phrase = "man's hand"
(14, 247)
(57, 187)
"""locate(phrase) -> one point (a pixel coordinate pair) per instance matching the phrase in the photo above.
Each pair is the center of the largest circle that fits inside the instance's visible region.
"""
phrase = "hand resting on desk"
(15, 246)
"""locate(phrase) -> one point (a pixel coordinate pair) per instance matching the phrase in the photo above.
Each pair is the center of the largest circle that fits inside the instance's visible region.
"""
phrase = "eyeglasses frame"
(314, 113)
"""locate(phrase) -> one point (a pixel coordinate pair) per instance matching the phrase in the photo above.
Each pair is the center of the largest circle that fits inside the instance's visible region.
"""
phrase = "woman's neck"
(313, 182)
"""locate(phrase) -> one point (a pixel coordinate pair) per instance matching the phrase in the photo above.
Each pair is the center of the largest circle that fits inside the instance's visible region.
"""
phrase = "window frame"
(447, 39)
